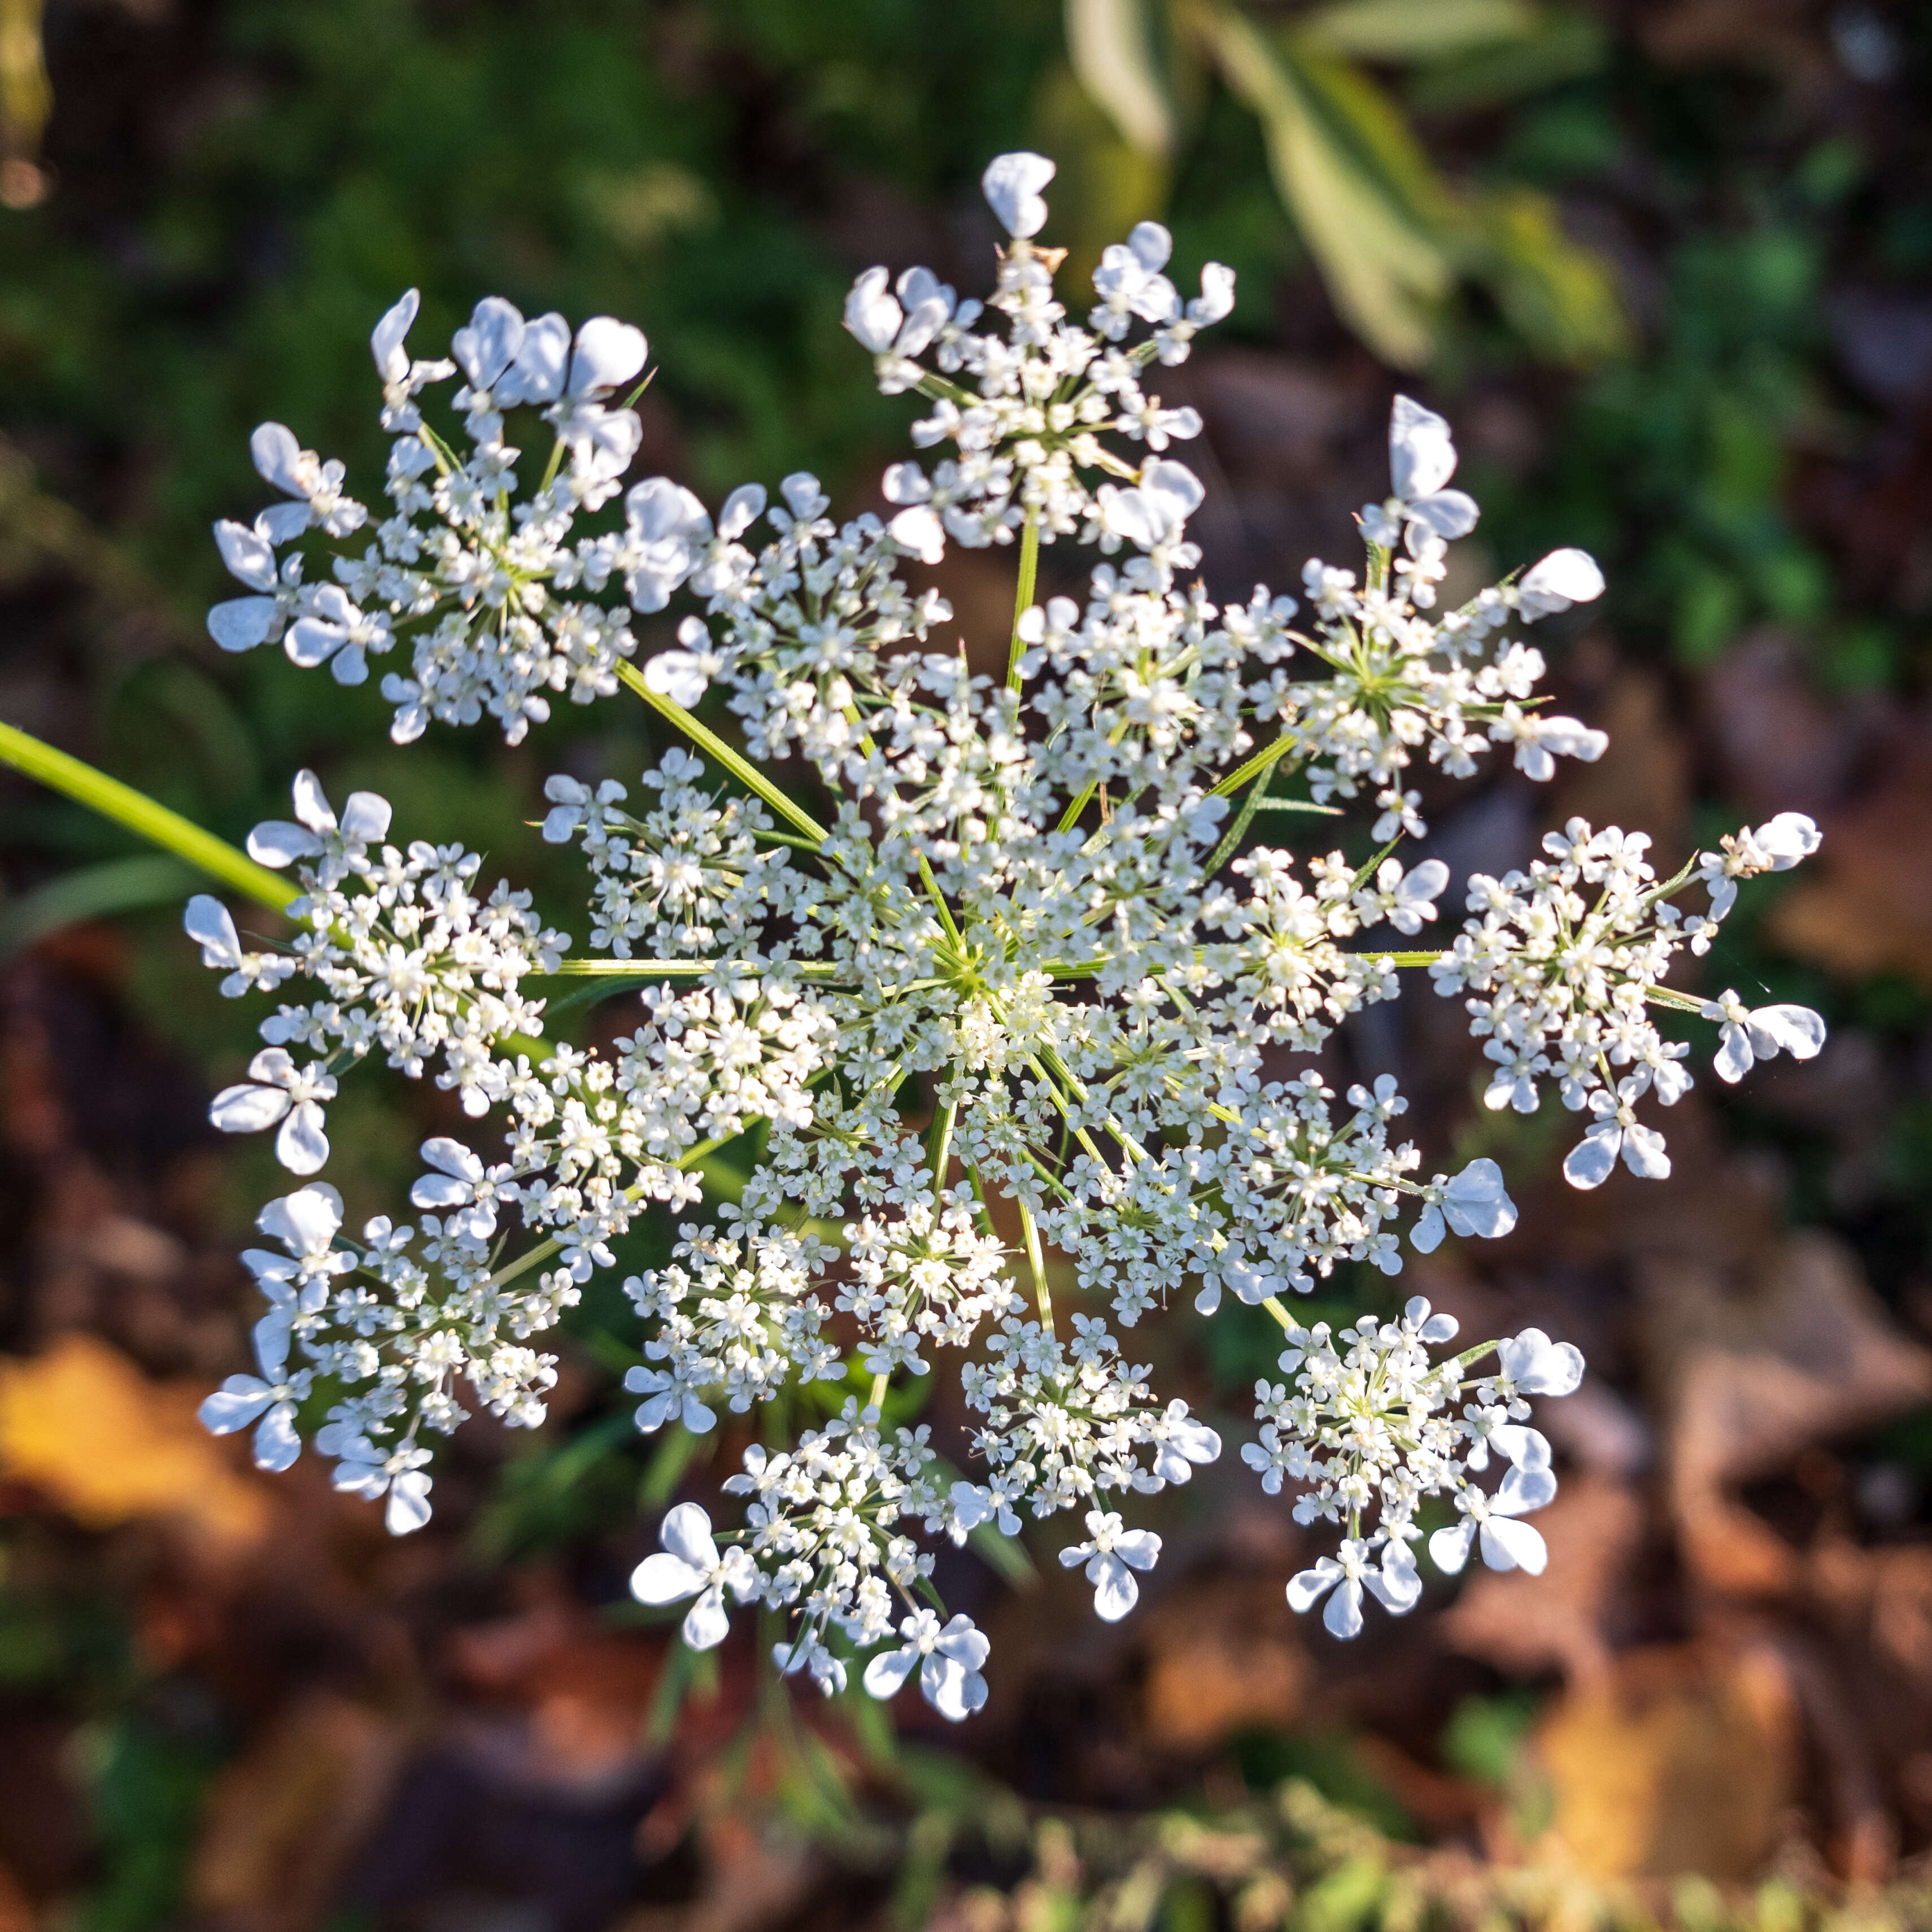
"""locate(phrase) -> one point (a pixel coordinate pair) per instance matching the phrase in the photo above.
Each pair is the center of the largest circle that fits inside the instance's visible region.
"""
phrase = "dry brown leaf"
(1814, 1354)
(16, 1910)
(82, 1424)
(1219, 1665)
(1683, 1760)
(1525, 1625)
(1863, 905)
(286, 1816)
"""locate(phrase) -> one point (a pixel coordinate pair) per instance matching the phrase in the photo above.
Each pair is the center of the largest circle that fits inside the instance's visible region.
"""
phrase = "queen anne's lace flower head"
(1031, 986)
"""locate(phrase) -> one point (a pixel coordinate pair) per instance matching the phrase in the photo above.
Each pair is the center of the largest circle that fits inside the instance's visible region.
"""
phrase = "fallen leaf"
(285, 1817)
(1683, 1759)
(1223, 1663)
(83, 1426)
(1863, 904)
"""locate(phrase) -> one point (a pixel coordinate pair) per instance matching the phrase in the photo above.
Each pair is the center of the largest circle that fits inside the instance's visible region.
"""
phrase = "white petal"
(276, 1445)
(1422, 455)
(1507, 1545)
(707, 1623)
(743, 508)
(302, 1145)
(1342, 1616)
(1525, 1489)
(685, 1532)
(452, 1157)
(1563, 577)
(1735, 1058)
(885, 1675)
(488, 345)
(1115, 1592)
(1449, 1548)
(277, 455)
(955, 1691)
(665, 1579)
(1426, 1236)
(1011, 185)
(241, 622)
(919, 532)
(1306, 1586)
(248, 1109)
(408, 1508)
(386, 338)
(1644, 1154)
(235, 1405)
(964, 1643)
(1527, 1448)
(248, 554)
(1787, 839)
(1797, 1029)
(610, 353)
(365, 818)
(1140, 1548)
(1449, 513)
(1588, 1163)
(872, 314)
(276, 842)
(282, 522)
(207, 921)
(438, 1191)
(306, 1220)
(537, 375)
(678, 676)
(1395, 1586)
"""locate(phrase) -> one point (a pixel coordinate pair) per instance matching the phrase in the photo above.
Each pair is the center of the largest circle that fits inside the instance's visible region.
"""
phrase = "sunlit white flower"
(1012, 184)
(466, 1193)
(1507, 1544)
(1616, 1130)
(1393, 1582)
(1746, 1035)
(1475, 1203)
(1112, 1553)
(948, 1657)
(689, 1565)
(278, 1090)
(269, 1399)
(1563, 577)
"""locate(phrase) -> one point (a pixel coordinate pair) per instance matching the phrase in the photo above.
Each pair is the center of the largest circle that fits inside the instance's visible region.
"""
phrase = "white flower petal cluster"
(1370, 1432)
(406, 959)
(1032, 954)
(1567, 960)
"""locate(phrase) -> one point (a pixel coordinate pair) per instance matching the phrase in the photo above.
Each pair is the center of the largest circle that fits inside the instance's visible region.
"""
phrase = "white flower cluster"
(1032, 977)
(1374, 1429)
(409, 961)
(1569, 981)
(393, 1326)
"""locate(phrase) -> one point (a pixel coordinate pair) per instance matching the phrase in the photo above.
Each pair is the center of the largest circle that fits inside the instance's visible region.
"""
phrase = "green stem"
(1023, 596)
(1267, 755)
(939, 1147)
(142, 816)
(741, 768)
(1237, 831)
(1036, 1261)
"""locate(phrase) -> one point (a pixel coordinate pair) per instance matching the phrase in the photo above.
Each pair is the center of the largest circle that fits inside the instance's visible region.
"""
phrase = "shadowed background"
(1664, 266)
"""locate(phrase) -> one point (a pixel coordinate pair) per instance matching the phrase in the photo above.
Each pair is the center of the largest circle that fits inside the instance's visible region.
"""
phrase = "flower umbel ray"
(1037, 969)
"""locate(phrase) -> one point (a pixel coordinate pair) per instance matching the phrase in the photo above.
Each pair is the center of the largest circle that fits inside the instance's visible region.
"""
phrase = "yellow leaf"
(1412, 30)
(1385, 276)
(83, 1425)
(1112, 53)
